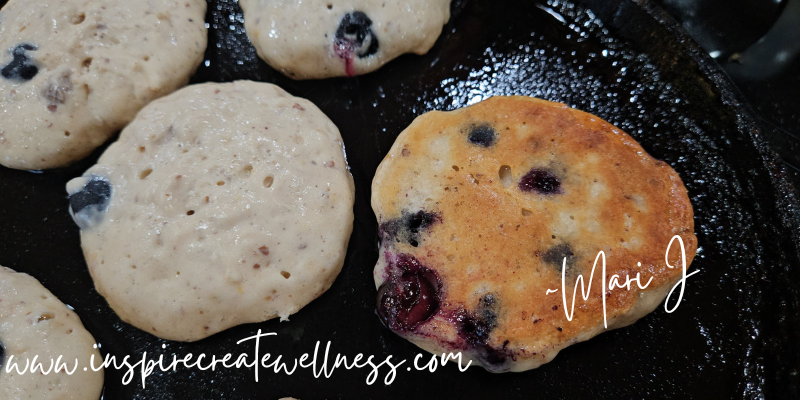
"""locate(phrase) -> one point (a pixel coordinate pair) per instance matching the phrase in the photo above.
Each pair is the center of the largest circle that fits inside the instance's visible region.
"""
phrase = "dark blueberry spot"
(95, 193)
(410, 296)
(475, 328)
(2, 356)
(486, 310)
(409, 227)
(20, 67)
(355, 33)
(89, 203)
(482, 135)
(420, 220)
(493, 358)
(556, 254)
(540, 181)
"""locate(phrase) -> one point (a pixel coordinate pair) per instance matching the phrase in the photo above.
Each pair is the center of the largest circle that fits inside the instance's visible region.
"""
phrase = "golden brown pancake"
(481, 208)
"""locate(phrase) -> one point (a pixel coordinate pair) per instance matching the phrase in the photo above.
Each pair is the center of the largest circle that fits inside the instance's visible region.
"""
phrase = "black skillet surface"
(735, 335)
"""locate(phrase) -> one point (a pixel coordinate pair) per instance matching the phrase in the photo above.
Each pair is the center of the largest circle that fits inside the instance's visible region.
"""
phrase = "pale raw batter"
(33, 322)
(220, 204)
(76, 71)
(326, 38)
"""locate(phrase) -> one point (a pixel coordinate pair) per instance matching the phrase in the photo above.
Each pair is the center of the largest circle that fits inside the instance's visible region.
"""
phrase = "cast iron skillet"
(734, 335)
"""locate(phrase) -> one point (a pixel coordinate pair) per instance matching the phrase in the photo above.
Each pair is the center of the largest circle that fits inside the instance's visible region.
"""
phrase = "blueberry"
(2, 356)
(556, 254)
(420, 221)
(409, 227)
(20, 68)
(88, 204)
(410, 296)
(486, 310)
(541, 181)
(482, 135)
(355, 34)
(475, 327)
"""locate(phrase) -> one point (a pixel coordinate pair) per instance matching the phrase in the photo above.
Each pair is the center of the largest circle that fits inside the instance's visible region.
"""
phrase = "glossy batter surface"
(76, 71)
(480, 207)
(33, 322)
(326, 38)
(220, 204)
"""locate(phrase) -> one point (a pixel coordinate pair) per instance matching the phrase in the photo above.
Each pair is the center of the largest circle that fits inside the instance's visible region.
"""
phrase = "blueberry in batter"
(355, 35)
(88, 204)
(20, 68)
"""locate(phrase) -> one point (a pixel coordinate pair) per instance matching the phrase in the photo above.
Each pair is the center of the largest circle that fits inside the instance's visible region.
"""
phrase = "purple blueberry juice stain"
(541, 181)
(482, 135)
(355, 36)
(410, 296)
(20, 67)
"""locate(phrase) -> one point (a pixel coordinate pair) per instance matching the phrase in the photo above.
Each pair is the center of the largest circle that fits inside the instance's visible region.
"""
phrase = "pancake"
(72, 73)
(220, 204)
(481, 210)
(326, 38)
(34, 323)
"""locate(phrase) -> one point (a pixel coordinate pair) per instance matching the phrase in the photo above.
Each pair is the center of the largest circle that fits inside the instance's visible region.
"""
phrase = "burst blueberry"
(540, 181)
(20, 68)
(355, 33)
(410, 296)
